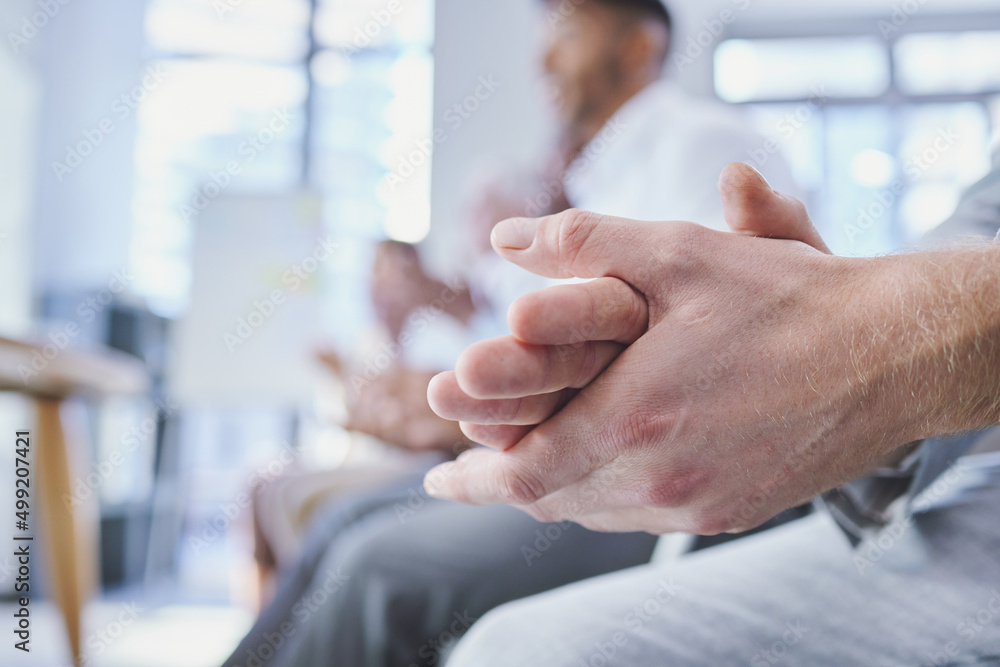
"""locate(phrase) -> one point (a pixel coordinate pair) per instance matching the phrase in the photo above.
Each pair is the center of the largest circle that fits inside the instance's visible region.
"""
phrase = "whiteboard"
(251, 275)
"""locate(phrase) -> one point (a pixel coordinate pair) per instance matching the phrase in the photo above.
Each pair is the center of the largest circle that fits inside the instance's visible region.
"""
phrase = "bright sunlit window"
(963, 62)
(373, 106)
(883, 152)
(333, 96)
(764, 69)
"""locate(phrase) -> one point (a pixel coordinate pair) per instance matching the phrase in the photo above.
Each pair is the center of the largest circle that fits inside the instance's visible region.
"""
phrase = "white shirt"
(660, 157)
(436, 338)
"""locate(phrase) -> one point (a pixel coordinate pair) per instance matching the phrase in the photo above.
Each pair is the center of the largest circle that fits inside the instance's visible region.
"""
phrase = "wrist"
(928, 342)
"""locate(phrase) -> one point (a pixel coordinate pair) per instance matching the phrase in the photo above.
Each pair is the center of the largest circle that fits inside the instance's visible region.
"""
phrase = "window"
(964, 62)
(883, 135)
(763, 69)
(273, 96)
(331, 97)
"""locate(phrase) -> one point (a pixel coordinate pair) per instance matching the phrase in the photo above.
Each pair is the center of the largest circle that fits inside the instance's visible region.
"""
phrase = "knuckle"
(688, 240)
(678, 489)
(636, 317)
(585, 366)
(512, 411)
(678, 253)
(518, 487)
(668, 491)
(575, 228)
(639, 429)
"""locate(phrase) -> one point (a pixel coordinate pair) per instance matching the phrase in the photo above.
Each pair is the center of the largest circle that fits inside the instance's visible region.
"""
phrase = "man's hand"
(566, 336)
(760, 372)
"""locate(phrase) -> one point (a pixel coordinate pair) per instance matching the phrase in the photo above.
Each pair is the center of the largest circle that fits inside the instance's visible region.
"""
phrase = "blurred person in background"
(402, 575)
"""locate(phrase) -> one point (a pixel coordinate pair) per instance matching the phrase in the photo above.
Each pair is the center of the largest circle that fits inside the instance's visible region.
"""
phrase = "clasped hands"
(702, 382)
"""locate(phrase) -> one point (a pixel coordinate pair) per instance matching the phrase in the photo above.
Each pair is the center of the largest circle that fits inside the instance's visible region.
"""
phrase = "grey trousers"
(401, 584)
(924, 591)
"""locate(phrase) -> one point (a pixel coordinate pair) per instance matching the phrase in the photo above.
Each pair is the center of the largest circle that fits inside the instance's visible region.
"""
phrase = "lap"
(497, 549)
(417, 573)
(925, 594)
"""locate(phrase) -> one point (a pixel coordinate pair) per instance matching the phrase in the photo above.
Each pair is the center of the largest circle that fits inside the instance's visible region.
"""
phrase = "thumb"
(751, 207)
(577, 244)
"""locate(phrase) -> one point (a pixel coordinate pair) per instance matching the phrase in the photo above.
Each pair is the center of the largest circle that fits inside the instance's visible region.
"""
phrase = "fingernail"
(759, 176)
(515, 234)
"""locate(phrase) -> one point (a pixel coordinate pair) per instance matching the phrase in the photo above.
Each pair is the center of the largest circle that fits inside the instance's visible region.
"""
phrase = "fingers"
(500, 438)
(507, 368)
(752, 207)
(602, 310)
(579, 244)
(449, 401)
(515, 477)
(605, 309)
(606, 422)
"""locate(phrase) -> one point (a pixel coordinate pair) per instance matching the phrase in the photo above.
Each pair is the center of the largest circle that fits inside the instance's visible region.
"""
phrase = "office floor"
(123, 633)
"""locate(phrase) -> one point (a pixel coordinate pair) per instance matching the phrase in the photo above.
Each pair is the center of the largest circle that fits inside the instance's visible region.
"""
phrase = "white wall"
(482, 38)
(91, 55)
(18, 128)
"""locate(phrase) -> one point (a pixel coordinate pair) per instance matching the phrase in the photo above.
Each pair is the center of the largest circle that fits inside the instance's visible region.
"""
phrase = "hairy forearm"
(935, 335)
